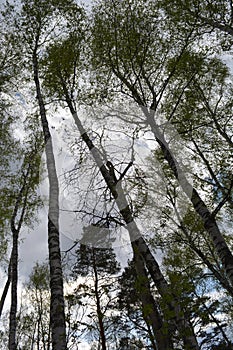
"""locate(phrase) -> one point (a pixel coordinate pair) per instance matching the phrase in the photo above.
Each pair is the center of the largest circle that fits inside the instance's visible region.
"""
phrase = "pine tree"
(101, 266)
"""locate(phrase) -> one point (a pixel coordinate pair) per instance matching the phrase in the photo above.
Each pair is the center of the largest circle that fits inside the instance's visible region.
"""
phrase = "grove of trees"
(137, 171)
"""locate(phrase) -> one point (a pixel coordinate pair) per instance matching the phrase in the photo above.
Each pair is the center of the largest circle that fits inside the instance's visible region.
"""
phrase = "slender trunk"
(38, 334)
(57, 314)
(21, 202)
(98, 304)
(223, 281)
(200, 207)
(151, 314)
(138, 243)
(14, 282)
(6, 288)
(219, 326)
(220, 277)
(33, 338)
(49, 336)
(152, 337)
(177, 319)
(41, 321)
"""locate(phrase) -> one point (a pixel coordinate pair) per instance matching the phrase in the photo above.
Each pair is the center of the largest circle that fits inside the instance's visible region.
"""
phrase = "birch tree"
(140, 64)
(22, 209)
(36, 23)
(58, 78)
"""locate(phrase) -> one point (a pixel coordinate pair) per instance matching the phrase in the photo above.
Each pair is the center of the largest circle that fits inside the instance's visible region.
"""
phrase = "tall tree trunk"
(57, 314)
(177, 319)
(98, 304)
(6, 288)
(200, 207)
(14, 282)
(138, 243)
(19, 210)
(151, 314)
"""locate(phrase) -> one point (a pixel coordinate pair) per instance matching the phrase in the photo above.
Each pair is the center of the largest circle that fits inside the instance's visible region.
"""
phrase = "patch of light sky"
(227, 58)
(34, 241)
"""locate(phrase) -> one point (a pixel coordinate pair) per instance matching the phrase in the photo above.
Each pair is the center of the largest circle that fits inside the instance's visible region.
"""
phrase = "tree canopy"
(135, 97)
